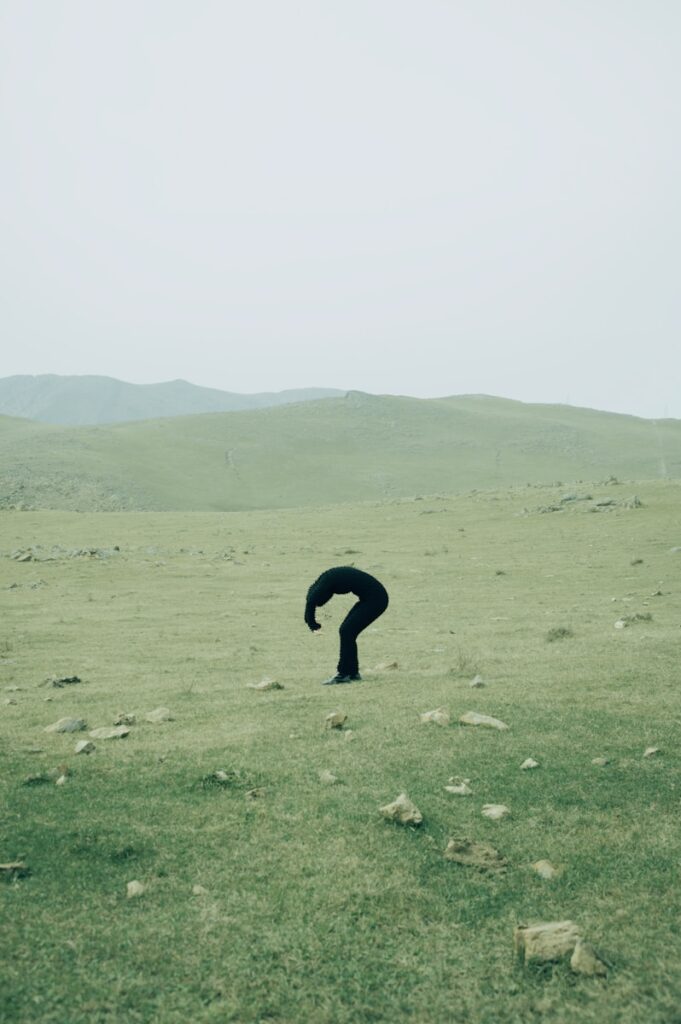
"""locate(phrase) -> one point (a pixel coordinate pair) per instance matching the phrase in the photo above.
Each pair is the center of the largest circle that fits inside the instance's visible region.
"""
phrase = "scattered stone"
(402, 811)
(475, 855)
(198, 890)
(66, 725)
(328, 778)
(600, 762)
(61, 681)
(440, 716)
(125, 719)
(542, 943)
(459, 787)
(61, 780)
(651, 751)
(222, 778)
(349, 735)
(476, 682)
(265, 684)
(37, 779)
(105, 732)
(585, 960)
(545, 869)
(495, 812)
(335, 720)
(529, 763)
(134, 889)
(14, 869)
(475, 718)
(84, 747)
(620, 624)
(159, 715)
(255, 794)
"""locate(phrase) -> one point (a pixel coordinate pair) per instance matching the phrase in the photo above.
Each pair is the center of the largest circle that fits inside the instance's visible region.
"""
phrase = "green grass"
(321, 453)
(317, 910)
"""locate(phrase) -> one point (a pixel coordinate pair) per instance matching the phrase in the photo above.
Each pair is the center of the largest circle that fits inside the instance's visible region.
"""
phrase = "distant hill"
(361, 447)
(90, 400)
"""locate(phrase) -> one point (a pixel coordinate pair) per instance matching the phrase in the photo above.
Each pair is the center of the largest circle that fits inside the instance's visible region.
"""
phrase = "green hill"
(358, 448)
(89, 400)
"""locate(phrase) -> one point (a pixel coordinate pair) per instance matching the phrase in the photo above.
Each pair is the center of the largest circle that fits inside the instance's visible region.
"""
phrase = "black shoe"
(338, 679)
(356, 678)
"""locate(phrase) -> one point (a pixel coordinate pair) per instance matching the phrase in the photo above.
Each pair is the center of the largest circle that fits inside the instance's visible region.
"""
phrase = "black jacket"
(343, 579)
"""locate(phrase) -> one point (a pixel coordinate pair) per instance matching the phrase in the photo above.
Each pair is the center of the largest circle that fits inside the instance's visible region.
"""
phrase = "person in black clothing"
(373, 601)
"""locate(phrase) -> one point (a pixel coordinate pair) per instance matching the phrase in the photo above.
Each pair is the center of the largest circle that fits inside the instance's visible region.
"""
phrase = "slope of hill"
(91, 400)
(359, 448)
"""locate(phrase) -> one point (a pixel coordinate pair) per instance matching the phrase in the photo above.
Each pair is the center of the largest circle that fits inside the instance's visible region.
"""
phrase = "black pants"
(358, 618)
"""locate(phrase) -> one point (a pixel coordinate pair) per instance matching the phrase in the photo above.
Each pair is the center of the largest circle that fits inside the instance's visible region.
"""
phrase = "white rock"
(495, 811)
(134, 889)
(335, 720)
(61, 781)
(550, 940)
(328, 778)
(460, 788)
(159, 715)
(545, 869)
(84, 747)
(585, 960)
(440, 716)
(349, 735)
(265, 684)
(475, 718)
(621, 624)
(109, 732)
(66, 725)
(198, 890)
(474, 855)
(476, 682)
(651, 751)
(600, 762)
(528, 763)
(402, 811)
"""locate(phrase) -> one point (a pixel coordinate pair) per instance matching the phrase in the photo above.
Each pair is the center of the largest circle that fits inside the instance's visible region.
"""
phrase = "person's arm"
(319, 593)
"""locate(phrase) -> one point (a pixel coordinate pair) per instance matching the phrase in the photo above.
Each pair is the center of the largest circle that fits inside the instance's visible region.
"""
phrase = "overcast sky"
(424, 197)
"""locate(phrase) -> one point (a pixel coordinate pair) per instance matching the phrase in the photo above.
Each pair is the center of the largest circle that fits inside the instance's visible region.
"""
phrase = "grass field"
(311, 907)
(321, 453)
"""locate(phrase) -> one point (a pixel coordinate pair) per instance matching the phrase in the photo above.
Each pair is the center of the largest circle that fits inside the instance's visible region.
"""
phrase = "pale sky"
(430, 197)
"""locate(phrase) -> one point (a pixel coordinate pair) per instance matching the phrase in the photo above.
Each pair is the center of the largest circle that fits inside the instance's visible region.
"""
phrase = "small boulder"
(135, 889)
(600, 762)
(529, 763)
(542, 943)
(265, 684)
(106, 732)
(198, 890)
(159, 715)
(585, 960)
(84, 747)
(651, 751)
(459, 788)
(440, 716)
(475, 718)
(474, 855)
(125, 719)
(335, 720)
(328, 778)
(402, 811)
(495, 812)
(477, 682)
(545, 869)
(66, 725)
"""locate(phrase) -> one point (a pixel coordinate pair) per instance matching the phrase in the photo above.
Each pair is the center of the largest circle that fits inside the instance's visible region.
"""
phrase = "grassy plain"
(315, 909)
(318, 453)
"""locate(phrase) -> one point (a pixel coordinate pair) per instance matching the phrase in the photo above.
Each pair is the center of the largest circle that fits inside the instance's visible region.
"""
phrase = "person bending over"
(373, 601)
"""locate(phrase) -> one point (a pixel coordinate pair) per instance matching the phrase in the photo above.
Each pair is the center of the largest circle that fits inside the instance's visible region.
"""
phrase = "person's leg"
(358, 618)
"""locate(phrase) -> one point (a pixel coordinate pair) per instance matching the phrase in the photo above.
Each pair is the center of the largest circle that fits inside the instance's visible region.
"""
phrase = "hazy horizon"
(464, 199)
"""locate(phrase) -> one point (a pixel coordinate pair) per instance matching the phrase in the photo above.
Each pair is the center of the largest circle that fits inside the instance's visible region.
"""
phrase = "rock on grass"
(547, 941)
(402, 811)
(66, 725)
(475, 718)
(474, 855)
